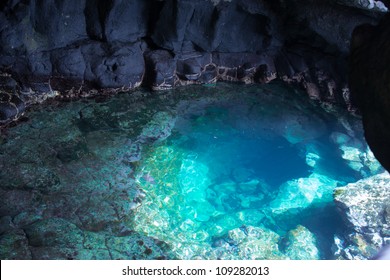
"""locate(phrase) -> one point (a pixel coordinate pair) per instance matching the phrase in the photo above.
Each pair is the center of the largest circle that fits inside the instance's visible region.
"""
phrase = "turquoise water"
(248, 172)
(217, 172)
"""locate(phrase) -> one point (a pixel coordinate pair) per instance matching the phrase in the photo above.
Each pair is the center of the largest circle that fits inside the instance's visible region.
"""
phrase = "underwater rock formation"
(259, 243)
(301, 193)
(77, 48)
(57, 238)
(301, 244)
(62, 208)
(365, 205)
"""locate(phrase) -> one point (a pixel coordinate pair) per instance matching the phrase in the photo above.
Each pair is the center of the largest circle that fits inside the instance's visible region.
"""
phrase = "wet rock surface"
(365, 206)
(81, 48)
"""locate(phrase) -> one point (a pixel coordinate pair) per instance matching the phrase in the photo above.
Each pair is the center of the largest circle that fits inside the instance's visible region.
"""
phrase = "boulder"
(299, 194)
(365, 206)
(159, 128)
(160, 69)
(11, 107)
(256, 243)
(119, 66)
(301, 244)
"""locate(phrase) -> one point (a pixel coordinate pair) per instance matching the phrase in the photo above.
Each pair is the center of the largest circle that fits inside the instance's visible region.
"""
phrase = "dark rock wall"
(369, 74)
(234, 26)
(74, 48)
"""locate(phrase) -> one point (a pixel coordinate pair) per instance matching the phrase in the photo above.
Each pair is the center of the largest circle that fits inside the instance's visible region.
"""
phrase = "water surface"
(202, 172)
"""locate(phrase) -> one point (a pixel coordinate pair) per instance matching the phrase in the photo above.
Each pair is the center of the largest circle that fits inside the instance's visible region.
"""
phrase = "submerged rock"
(256, 243)
(159, 128)
(361, 161)
(261, 243)
(301, 244)
(298, 194)
(133, 154)
(14, 245)
(54, 232)
(57, 238)
(299, 128)
(241, 174)
(365, 206)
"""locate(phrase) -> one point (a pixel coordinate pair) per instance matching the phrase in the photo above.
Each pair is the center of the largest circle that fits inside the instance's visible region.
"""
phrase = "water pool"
(202, 172)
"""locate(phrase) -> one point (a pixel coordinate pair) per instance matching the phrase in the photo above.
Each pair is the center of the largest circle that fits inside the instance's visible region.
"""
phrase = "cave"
(203, 129)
